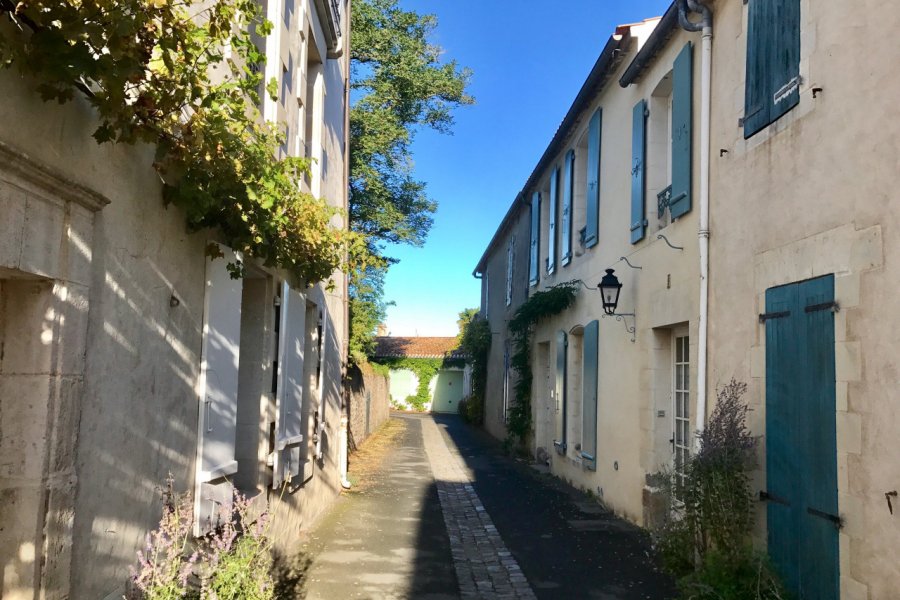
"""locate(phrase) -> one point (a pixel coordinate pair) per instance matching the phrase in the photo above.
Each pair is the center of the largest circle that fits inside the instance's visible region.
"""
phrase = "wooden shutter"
(551, 227)
(568, 182)
(592, 207)
(772, 80)
(638, 171)
(535, 250)
(682, 74)
(289, 390)
(560, 388)
(589, 390)
(784, 59)
(218, 388)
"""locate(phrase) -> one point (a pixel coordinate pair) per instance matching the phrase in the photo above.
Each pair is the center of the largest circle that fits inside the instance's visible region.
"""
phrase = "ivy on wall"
(186, 77)
(539, 306)
(423, 368)
(475, 342)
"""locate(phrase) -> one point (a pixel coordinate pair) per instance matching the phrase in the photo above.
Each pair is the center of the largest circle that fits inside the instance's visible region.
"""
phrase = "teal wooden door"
(801, 446)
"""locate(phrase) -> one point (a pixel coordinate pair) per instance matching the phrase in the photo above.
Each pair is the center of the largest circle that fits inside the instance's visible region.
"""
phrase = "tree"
(398, 85)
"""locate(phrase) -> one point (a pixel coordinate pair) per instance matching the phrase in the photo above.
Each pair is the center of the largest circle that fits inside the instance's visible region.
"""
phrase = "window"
(669, 132)
(592, 182)
(772, 85)
(551, 221)
(535, 248)
(638, 170)
(568, 183)
(562, 343)
(510, 257)
(218, 386)
(506, 364)
(486, 286)
(681, 398)
(589, 395)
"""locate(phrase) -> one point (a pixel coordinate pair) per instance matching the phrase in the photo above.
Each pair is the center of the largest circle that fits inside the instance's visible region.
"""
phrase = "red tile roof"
(417, 347)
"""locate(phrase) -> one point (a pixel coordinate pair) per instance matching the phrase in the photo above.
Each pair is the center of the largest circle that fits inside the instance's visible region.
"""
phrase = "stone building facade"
(128, 355)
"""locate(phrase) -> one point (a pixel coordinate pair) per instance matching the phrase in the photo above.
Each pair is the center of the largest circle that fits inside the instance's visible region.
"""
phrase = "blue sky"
(529, 59)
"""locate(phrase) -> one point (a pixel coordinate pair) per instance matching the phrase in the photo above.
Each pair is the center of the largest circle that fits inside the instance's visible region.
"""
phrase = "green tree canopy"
(398, 85)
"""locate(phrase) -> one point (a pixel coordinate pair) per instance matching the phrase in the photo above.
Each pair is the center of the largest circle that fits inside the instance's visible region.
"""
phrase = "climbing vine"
(424, 369)
(186, 77)
(475, 342)
(539, 306)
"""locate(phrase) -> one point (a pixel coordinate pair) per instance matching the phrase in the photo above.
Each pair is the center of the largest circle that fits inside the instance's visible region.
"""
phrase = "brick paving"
(485, 568)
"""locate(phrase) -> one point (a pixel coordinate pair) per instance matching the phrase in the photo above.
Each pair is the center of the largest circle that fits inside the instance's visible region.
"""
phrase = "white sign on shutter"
(218, 389)
(289, 390)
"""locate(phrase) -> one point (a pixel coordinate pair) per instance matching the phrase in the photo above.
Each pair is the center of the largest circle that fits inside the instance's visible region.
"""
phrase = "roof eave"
(609, 59)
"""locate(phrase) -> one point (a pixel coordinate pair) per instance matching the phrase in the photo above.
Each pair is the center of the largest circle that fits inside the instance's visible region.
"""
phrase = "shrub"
(234, 562)
(705, 541)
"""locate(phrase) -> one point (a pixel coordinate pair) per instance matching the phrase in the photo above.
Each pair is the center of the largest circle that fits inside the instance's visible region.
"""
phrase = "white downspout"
(703, 233)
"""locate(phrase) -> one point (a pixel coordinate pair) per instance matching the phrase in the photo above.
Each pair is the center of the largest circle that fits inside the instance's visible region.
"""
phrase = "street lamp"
(609, 290)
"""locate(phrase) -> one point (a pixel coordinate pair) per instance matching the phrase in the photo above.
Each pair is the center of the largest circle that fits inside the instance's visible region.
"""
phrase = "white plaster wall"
(815, 194)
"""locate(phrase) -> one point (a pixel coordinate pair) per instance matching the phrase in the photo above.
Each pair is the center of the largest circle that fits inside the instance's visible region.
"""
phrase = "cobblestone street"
(443, 514)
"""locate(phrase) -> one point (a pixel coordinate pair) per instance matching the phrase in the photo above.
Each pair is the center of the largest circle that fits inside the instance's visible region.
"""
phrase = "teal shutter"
(772, 84)
(638, 172)
(589, 389)
(785, 57)
(535, 251)
(561, 349)
(568, 182)
(551, 229)
(682, 74)
(593, 180)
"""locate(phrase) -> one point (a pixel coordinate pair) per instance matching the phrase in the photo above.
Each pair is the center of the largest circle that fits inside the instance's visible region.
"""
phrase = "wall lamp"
(610, 288)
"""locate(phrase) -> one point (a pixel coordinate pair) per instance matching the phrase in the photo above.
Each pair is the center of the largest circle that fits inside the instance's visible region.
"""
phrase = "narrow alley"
(443, 513)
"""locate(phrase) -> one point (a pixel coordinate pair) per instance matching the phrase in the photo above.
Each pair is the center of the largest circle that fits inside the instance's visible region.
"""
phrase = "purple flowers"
(232, 562)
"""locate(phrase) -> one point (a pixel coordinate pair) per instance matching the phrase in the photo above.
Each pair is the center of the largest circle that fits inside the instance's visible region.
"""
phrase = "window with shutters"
(560, 392)
(772, 79)
(589, 389)
(510, 267)
(638, 171)
(669, 141)
(535, 244)
(506, 383)
(218, 388)
(590, 235)
(552, 220)
(568, 188)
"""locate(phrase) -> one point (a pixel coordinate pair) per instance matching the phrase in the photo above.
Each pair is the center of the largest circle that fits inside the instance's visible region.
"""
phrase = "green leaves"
(155, 72)
(400, 85)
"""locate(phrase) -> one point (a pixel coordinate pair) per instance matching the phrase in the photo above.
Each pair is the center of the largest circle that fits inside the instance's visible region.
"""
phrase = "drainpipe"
(343, 437)
(705, 26)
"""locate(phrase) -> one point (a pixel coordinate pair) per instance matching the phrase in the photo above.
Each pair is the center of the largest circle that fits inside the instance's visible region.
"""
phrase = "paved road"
(451, 517)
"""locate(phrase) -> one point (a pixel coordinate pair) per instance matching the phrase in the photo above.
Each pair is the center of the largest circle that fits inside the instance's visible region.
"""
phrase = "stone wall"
(369, 403)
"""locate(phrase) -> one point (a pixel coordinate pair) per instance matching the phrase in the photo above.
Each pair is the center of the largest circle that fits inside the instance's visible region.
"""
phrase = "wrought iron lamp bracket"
(621, 317)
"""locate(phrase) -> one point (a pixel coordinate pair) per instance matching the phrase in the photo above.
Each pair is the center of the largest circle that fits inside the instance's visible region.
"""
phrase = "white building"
(128, 355)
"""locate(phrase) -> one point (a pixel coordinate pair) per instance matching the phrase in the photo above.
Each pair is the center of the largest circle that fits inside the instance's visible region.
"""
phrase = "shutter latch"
(829, 306)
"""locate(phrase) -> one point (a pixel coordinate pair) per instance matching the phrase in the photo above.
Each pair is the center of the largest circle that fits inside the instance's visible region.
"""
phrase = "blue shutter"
(682, 72)
(561, 348)
(638, 172)
(772, 85)
(551, 228)
(784, 57)
(593, 180)
(589, 390)
(568, 182)
(535, 250)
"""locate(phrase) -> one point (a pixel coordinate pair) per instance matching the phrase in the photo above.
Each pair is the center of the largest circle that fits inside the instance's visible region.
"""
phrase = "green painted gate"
(801, 448)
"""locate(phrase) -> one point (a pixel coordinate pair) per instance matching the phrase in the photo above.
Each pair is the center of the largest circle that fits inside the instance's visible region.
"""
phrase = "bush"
(470, 409)
(234, 562)
(705, 540)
